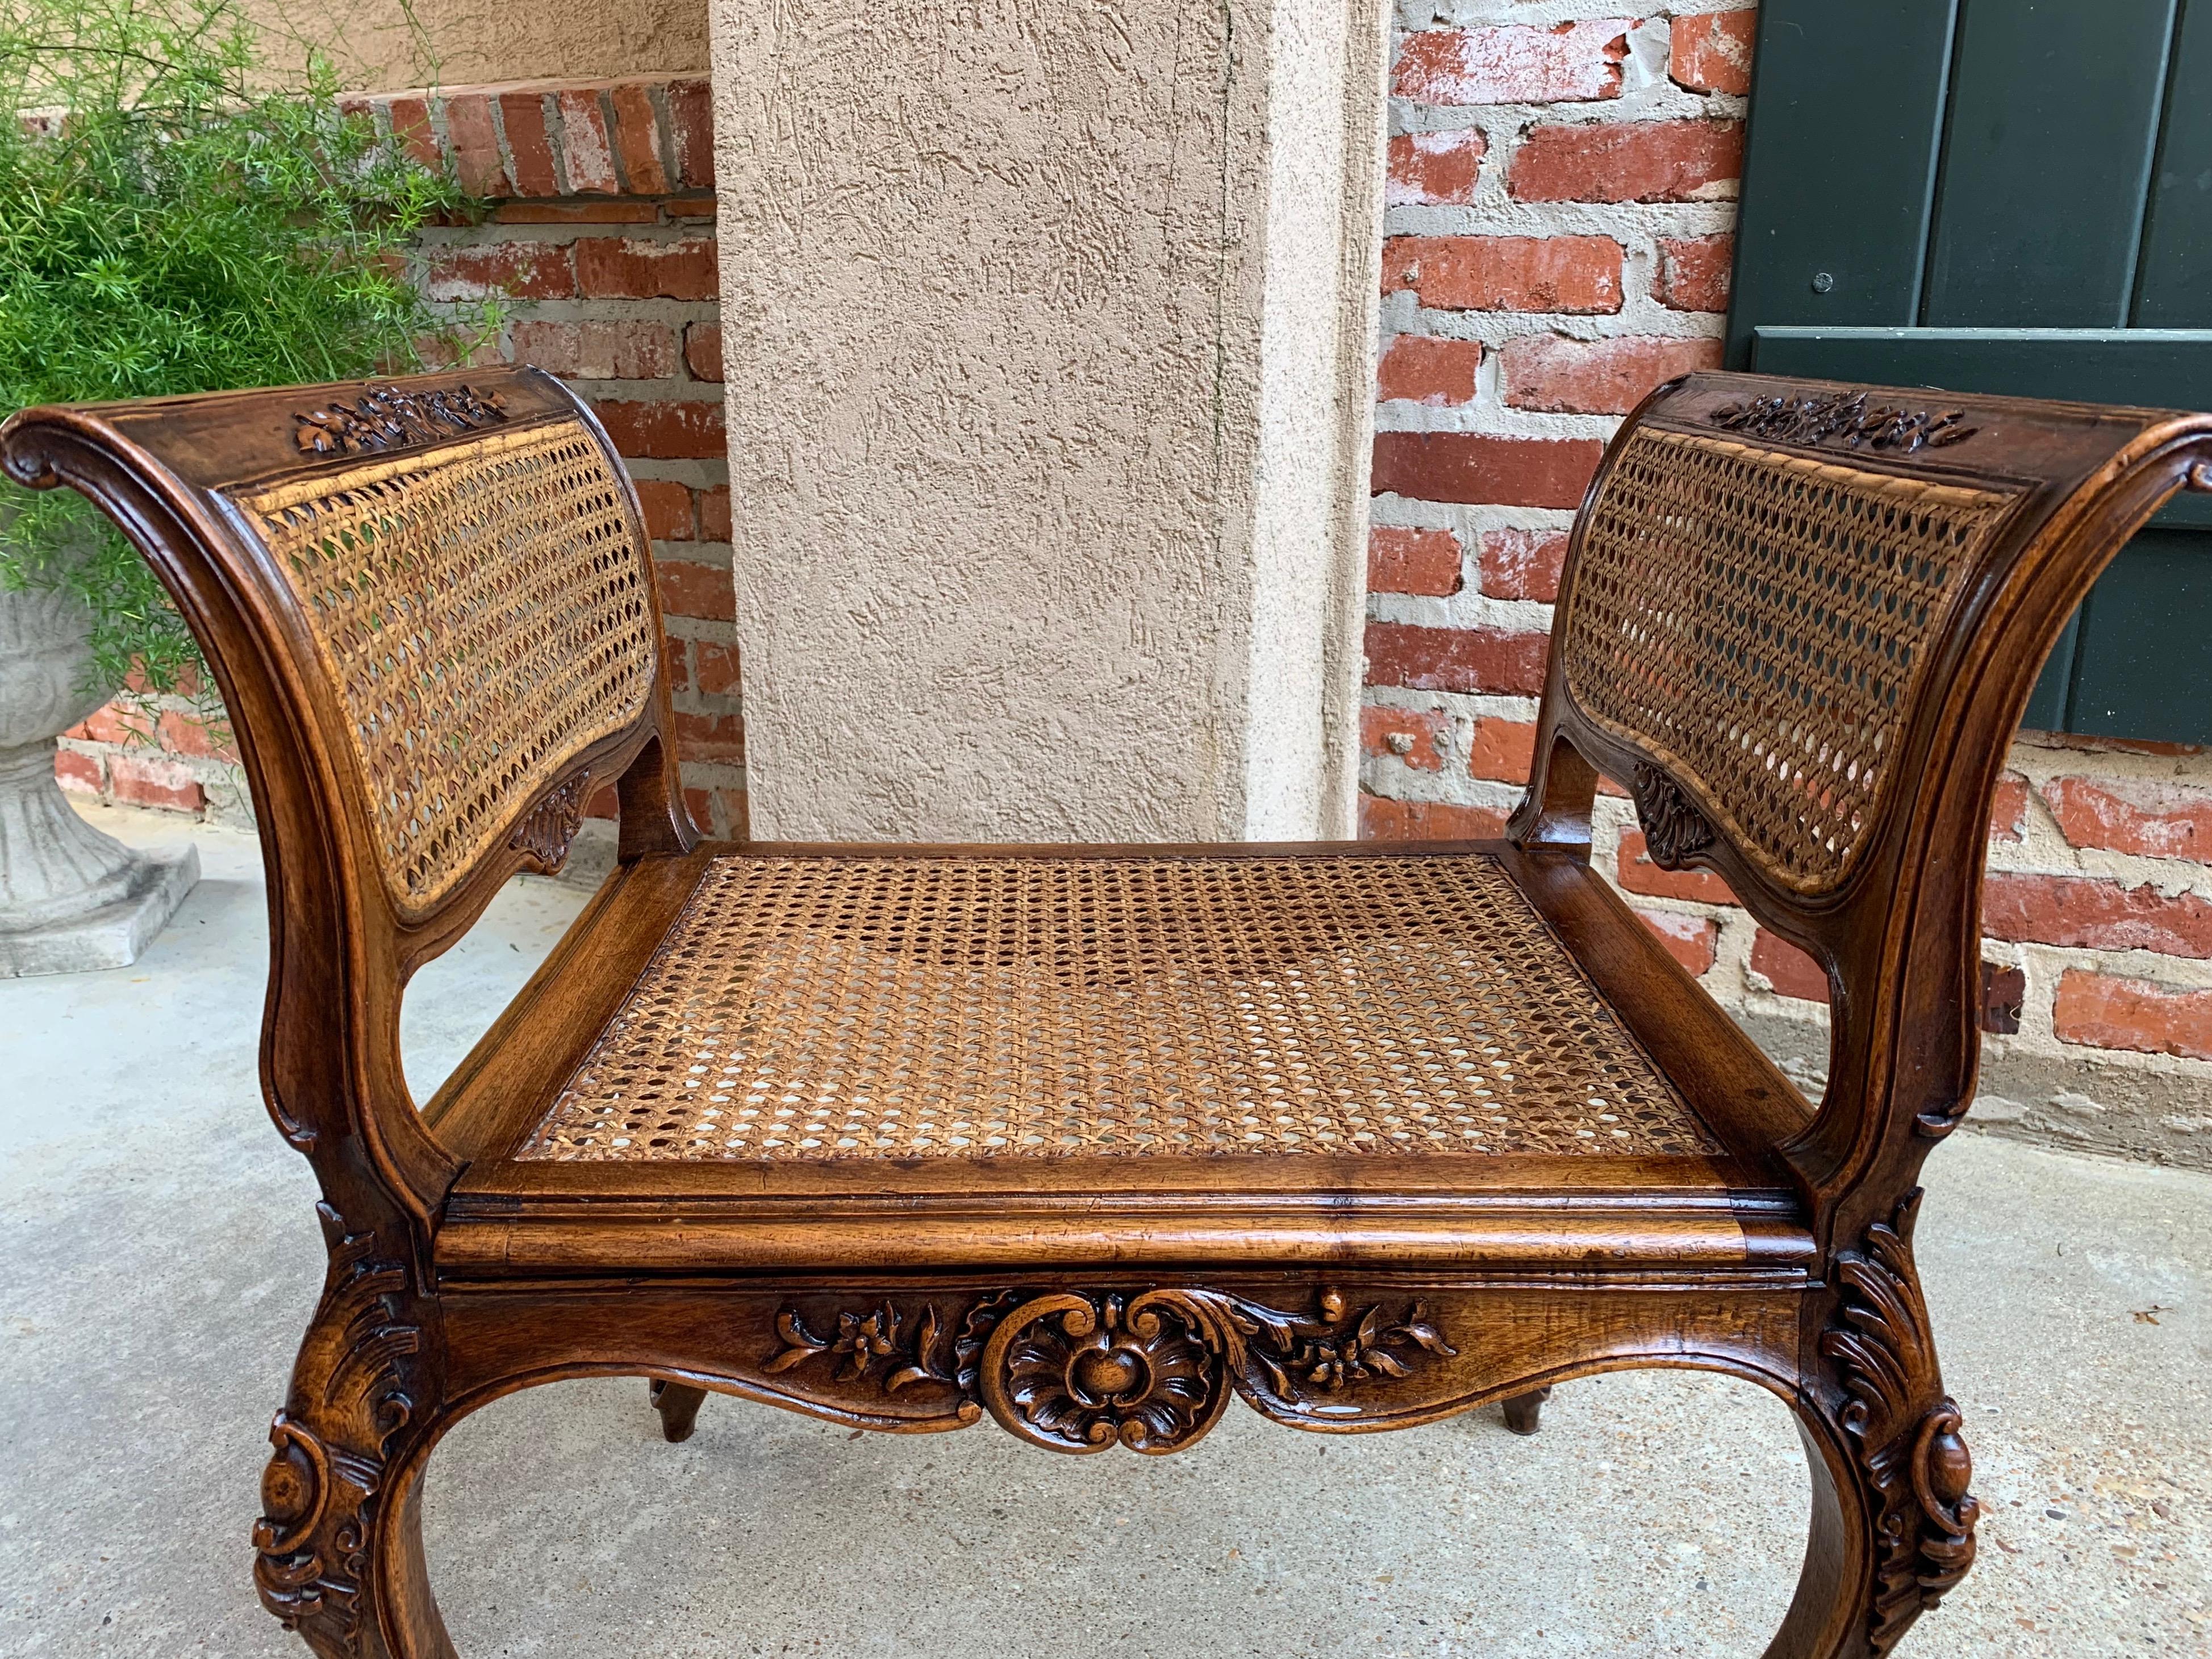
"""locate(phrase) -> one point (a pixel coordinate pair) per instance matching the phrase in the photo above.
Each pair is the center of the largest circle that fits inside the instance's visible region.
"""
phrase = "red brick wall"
(602, 236)
(1561, 204)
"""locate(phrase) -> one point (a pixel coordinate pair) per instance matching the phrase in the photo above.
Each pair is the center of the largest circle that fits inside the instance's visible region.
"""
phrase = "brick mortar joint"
(506, 233)
(1466, 520)
(697, 474)
(543, 86)
(2149, 967)
(1498, 330)
(1465, 610)
(2045, 852)
(205, 766)
(601, 142)
(1498, 214)
(1461, 705)
(1505, 125)
(1411, 15)
(673, 388)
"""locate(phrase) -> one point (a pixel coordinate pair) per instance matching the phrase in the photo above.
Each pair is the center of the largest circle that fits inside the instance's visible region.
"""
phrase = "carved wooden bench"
(1089, 1140)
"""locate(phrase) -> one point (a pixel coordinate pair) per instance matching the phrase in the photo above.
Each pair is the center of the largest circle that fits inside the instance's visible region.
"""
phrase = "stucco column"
(1047, 334)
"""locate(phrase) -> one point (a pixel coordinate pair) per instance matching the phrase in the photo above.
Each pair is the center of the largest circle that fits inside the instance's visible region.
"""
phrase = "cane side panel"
(888, 1007)
(483, 611)
(1759, 621)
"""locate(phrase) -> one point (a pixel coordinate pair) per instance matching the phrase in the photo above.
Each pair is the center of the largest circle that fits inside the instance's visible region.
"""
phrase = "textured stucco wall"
(1309, 507)
(379, 45)
(1022, 550)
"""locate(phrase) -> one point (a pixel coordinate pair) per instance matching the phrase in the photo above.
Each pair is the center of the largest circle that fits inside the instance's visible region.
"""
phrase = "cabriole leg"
(678, 1406)
(1893, 1522)
(1524, 1410)
(351, 1579)
(338, 1548)
(1830, 1615)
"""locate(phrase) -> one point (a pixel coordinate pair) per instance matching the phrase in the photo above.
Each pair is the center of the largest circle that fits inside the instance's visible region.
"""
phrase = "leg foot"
(678, 1406)
(1522, 1410)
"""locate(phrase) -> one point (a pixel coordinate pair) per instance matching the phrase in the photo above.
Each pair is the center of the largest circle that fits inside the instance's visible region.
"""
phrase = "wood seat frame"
(1132, 1296)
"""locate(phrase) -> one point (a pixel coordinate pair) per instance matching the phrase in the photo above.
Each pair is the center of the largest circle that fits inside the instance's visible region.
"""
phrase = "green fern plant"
(177, 216)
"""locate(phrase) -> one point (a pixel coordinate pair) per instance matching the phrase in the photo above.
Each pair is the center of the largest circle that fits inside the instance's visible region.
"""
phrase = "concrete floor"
(160, 1257)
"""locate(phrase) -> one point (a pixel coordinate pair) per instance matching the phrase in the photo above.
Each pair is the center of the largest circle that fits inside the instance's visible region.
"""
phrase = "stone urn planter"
(71, 898)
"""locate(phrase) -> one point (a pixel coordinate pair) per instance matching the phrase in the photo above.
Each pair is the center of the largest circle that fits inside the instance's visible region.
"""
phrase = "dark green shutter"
(2004, 196)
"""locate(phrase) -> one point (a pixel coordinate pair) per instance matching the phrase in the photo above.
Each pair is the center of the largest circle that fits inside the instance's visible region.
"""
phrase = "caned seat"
(1396, 1052)
(887, 1008)
(1093, 1140)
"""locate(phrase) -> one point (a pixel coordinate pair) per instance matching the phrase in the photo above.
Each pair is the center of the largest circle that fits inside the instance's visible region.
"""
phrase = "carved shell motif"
(1672, 829)
(549, 828)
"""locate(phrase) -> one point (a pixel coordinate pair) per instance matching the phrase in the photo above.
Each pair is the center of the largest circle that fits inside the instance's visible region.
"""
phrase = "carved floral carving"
(389, 417)
(1079, 1373)
(548, 829)
(320, 1490)
(1297, 1358)
(1843, 417)
(1673, 830)
(908, 1350)
(1084, 1372)
(1905, 1428)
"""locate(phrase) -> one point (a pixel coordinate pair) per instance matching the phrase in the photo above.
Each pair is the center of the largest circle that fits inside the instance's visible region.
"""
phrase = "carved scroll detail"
(389, 417)
(1081, 1371)
(320, 1490)
(1905, 1428)
(548, 829)
(1843, 417)
(1673, 830)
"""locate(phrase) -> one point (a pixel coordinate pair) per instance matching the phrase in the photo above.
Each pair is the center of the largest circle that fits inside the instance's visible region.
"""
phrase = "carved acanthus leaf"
(1905, 1428)
(1080, 1371)
(391, 417)
(320, 1490)
(547, 829)
(1673, 830)
(1843, 417)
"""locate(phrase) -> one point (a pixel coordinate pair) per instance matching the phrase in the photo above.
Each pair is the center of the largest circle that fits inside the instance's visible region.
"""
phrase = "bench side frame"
(341, 952)
(1898, 935)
